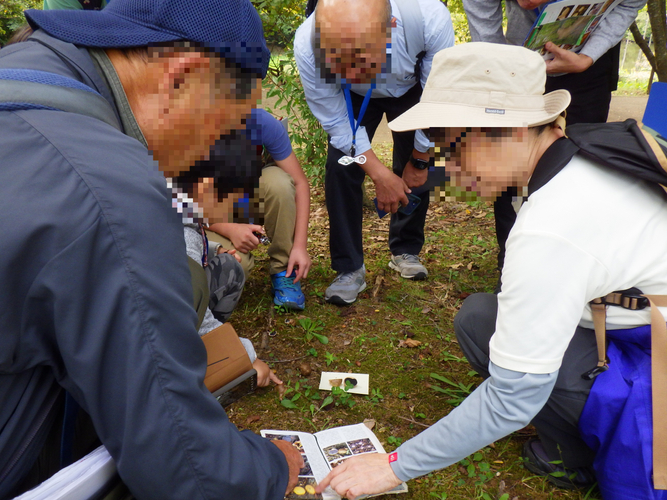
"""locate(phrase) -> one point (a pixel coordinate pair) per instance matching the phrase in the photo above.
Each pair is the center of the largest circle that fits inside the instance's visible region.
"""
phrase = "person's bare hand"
(215, 211)
(531, 4)
(231, 251)
(391, 192)
(566, 61)
(264, 374)
(299, 260)
(242, 238)
(413, 177)
(294, 462)
(361, 475)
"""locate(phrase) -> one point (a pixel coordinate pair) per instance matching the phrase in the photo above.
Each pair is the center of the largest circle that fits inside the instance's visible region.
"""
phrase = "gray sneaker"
(345, 288)
(409, 266)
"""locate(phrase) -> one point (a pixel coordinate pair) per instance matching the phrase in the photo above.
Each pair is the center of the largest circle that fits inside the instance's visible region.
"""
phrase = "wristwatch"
(418, 164)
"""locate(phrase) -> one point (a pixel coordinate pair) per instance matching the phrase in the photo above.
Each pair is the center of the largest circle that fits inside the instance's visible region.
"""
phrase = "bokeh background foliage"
(11, 15)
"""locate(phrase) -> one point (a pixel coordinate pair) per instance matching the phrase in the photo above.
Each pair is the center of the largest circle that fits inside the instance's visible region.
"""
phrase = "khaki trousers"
(277, 202)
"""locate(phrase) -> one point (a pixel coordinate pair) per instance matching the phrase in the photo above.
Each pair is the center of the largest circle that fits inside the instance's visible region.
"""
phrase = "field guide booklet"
(325, 450)
(568, 24)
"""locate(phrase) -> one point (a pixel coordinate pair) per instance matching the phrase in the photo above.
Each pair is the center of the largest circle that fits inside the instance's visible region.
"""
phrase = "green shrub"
(11, 16)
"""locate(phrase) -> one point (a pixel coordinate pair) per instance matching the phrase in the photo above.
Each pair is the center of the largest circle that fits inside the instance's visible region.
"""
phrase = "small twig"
(412, 420)
(428, 301)
(284, 360)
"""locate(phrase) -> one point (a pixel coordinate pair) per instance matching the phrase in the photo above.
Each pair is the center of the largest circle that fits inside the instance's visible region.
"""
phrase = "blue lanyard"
(350, 113)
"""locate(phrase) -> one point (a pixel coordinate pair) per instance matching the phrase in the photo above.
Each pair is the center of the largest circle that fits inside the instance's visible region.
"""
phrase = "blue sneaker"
(286, 293)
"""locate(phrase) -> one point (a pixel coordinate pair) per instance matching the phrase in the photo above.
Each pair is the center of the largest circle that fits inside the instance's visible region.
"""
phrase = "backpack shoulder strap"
(310, 7)
(413, 25)
(658, 151)
(554, 159)
(32, 89)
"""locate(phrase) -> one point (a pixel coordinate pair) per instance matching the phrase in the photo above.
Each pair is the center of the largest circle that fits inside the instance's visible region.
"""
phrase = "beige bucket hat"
(484, 85)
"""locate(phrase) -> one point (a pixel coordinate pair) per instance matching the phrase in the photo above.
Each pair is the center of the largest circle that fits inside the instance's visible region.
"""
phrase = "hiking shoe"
(286, 293)
(409, 266)
(537, 461)
(345, 288)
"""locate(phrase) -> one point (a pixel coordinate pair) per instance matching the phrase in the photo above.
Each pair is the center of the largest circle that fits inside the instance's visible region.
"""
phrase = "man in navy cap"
(95, 290)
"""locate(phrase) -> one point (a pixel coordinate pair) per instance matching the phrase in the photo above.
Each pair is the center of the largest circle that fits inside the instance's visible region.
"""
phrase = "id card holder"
(347, 160)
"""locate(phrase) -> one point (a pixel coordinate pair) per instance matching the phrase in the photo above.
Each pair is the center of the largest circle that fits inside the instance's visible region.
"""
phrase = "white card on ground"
(361, 378)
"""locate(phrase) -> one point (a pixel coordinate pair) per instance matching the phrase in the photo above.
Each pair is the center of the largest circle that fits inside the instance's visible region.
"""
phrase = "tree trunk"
(643, 45)
(658, 57)
(657, 15)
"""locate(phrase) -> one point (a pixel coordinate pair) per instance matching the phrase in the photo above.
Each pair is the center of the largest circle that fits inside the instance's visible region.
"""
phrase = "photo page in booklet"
(568, 24)
(325, 450)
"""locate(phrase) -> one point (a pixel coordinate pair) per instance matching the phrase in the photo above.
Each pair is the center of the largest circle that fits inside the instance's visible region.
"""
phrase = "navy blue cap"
(231, 28)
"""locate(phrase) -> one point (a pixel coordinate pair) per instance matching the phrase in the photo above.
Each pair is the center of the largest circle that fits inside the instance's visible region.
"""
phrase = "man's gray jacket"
(95, 297)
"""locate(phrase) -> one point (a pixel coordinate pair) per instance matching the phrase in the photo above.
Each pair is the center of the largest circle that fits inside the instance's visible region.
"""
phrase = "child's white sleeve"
(249, 349)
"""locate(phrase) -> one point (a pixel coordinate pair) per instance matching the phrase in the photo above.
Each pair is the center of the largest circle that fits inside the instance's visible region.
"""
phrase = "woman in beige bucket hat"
(585, 231)
(489, 101)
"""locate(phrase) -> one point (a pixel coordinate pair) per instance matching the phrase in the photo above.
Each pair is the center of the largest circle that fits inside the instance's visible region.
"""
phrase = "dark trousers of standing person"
(343, 185)
(591, 96)
(557, 422)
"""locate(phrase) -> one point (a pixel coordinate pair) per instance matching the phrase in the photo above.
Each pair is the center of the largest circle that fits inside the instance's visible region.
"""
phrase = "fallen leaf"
(347, 342)
(253, 419)
(347, 312)
(281, 388)
(369, 422)
(469, 267)
(376, 287)
(409, 343)
(456, 266)
(426, 310)
(265, 341)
